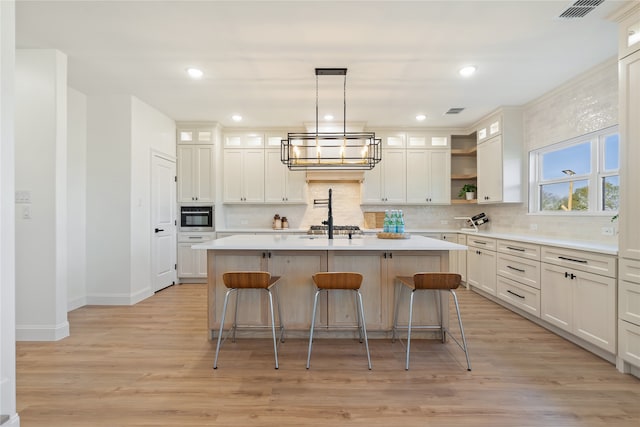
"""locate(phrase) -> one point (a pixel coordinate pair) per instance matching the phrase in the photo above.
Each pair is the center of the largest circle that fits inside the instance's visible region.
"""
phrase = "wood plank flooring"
(151, 365)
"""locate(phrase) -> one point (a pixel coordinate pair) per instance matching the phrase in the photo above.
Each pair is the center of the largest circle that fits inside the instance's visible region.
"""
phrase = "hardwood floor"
(151, 365)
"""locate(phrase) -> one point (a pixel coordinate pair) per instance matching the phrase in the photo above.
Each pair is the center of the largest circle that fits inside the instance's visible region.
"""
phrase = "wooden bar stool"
(239, 280)
(327, 281)
(437, 282)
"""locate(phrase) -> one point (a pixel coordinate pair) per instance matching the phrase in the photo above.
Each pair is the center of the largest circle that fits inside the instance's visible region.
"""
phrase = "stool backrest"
(437, 280)
(246, 279)
(337, 280)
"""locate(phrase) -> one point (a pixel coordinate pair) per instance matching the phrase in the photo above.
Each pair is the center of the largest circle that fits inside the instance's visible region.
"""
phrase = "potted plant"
(468, 191)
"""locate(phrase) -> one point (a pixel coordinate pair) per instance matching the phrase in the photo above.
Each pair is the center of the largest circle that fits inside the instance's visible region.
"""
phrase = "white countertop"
(607, 249)
(285, 242)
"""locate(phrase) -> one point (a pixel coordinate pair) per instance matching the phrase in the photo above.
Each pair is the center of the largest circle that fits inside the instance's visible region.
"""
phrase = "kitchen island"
(297, 257)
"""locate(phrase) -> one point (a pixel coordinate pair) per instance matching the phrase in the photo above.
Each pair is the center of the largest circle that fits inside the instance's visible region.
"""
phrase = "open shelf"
(464, 201)
(464, 151)
(464, 177)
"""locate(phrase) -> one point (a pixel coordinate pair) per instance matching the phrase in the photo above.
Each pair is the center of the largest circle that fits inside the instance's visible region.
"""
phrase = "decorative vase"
(471, 195)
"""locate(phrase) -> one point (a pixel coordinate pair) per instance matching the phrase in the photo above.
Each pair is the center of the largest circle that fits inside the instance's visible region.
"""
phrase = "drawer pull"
(516, 269)
(480, 243)
(513, 293)
(515, 249)
(581, 261)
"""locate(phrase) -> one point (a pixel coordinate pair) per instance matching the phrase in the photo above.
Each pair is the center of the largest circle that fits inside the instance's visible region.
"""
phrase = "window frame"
(595, 177)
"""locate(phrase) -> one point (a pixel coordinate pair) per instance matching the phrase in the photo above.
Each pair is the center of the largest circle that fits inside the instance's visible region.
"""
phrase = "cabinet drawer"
(521, 296)
(524, 250)
(629, 301)
(521, 270)
(481, 242)
(629, 342)
(580, 260)
(630, 270)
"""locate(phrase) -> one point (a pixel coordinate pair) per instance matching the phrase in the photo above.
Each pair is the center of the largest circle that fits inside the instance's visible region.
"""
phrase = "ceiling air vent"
(455, 110)
(580, 8)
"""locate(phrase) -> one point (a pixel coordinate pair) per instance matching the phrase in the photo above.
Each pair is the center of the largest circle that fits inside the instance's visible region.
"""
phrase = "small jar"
(285, 223)
(277, 222)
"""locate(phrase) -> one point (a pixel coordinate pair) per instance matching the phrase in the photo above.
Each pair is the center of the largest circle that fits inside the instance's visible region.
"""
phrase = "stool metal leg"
(358, 317)
(440, 306)
(409, 328)
(395, 314)
(224, 313)
(313, 325)
(235, 317)
(273, 328)
(364, 328)
(464, 341)
(275, 291)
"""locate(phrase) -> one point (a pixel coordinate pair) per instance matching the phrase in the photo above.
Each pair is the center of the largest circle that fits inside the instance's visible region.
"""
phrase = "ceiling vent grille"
(580, 9)
(455, 110)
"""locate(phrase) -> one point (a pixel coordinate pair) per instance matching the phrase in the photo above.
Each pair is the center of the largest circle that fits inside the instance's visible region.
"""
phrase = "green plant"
(467, 188)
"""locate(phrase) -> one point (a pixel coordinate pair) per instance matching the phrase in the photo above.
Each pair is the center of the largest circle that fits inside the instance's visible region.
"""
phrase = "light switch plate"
(23, 196)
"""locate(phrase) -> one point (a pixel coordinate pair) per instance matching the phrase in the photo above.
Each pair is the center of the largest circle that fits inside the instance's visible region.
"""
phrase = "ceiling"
(259, 57)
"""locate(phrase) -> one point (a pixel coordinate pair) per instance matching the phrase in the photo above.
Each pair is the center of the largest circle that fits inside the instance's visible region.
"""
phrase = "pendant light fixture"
(331, 150)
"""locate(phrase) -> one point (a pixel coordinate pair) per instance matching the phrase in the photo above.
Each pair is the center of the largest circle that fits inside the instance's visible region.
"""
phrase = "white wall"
(151, 131)
(77, 199)
(41, 238)
(7, 220)
(108, 199)
(122, 132)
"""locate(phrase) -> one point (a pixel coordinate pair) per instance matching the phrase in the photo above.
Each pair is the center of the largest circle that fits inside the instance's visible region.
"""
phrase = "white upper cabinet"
(500, 157)
(629, 33)
(195, 162)
(386, 182)
(282, 185)
(243, 166)
(629, 85)
(196, 173)
(244, 140)
(195, 135)
(428, 176)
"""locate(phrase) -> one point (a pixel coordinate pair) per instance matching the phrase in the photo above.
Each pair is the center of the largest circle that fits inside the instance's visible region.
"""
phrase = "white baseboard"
(42, 332)
(118, 299)
(76, 303)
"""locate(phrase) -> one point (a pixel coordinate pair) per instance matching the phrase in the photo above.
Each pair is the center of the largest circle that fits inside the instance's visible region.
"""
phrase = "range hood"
(335, 176)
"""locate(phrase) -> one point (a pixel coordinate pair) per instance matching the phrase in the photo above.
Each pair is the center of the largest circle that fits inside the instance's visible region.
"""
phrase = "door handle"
(159, 230)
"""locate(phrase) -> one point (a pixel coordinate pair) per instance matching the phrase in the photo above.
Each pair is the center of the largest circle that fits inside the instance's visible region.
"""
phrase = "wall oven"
(197, 218)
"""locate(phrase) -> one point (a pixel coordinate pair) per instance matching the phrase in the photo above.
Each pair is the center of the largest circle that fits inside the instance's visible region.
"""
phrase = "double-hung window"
(579, 175)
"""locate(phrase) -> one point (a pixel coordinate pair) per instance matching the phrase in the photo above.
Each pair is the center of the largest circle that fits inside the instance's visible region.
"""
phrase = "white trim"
(42, 333)
(76, 303)
(119, 299)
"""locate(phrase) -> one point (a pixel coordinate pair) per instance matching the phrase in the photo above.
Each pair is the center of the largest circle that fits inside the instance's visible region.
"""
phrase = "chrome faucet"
(329, 221)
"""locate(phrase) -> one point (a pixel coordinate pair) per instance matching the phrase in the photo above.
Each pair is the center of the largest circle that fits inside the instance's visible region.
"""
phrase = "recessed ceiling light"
(467, 71)
(236, 118)
(420, 117)
(195, 73)
(328, 117)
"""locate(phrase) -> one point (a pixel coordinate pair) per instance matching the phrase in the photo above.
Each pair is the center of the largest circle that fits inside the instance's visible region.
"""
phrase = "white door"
(163, 222)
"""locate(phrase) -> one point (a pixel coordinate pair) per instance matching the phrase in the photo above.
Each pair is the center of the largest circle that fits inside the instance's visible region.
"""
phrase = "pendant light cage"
(331, 150)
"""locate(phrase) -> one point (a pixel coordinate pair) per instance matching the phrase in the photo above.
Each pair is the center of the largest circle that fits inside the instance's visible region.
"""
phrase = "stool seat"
(243, 280)
(330, 281)
(437, 282)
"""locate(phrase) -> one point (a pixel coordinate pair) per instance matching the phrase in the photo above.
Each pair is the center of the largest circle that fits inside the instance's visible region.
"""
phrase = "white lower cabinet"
(580, 302)
(629, 311)
(629, 342)
(192, 263)
(518, 268)
(521, 296)
(481, 264)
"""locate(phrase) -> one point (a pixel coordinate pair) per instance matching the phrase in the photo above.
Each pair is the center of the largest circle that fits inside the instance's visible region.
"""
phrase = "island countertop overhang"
(310, 243)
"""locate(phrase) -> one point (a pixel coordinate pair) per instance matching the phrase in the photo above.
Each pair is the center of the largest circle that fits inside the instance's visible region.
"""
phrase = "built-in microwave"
(197, 218)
